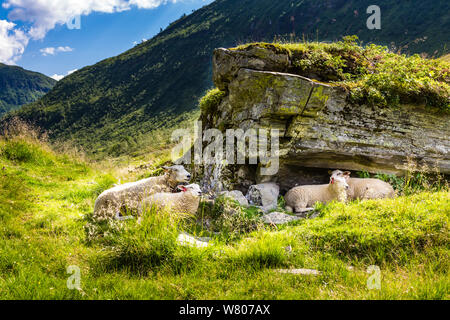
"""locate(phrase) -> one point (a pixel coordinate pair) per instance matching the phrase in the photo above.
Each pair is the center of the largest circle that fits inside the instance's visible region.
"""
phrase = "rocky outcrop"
(319, 129)
(278, 218)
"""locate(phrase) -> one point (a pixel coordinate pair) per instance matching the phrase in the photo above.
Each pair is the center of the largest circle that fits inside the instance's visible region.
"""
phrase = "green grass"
(211, 100)
(45, 199)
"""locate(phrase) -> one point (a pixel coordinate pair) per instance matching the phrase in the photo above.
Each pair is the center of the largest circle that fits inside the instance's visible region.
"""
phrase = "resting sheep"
(364, 189)
(129, 195)
(186, 201)
(302, 198)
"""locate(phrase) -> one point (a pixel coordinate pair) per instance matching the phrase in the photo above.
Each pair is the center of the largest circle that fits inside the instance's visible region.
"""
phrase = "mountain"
(152, 86)
(19, 86)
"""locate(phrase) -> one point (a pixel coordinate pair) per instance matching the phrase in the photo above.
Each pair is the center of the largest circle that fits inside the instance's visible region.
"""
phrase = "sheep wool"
(365, 189)
(186, 202)
(303, 198)
(129, 195)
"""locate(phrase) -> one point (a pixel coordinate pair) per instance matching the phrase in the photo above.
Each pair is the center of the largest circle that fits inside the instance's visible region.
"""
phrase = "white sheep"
(302, 198)
(186, 201)
(129, 195)
(365, 189)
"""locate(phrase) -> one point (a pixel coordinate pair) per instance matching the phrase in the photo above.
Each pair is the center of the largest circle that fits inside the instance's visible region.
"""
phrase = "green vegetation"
(46, 198)
(113, 105)
(211, 100)
(372, 74)
(19, 87)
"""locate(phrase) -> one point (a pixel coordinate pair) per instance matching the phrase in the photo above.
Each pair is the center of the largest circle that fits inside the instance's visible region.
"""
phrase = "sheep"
(186, 201)
(365, 189)
(302, 198)
(129, 195)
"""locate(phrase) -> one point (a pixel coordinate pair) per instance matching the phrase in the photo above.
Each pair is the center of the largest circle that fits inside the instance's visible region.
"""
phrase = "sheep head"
(339, 173)
(339, 185)
(192, 188)
(177, 174)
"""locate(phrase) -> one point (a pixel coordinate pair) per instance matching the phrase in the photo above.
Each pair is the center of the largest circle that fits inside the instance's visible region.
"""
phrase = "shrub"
(232, 220)
(210, 102)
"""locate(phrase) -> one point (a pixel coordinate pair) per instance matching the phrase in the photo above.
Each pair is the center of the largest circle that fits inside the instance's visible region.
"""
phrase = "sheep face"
(193, 188)
(339, 181)
(178, 174)
(339, 173)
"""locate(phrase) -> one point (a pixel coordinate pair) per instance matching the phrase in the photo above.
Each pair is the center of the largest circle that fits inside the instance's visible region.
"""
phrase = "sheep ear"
(166, 168)
(347, 173)
(330, 172)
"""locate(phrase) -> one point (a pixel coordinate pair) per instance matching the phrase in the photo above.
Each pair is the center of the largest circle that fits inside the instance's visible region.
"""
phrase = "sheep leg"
(122, 218)
(302, 210)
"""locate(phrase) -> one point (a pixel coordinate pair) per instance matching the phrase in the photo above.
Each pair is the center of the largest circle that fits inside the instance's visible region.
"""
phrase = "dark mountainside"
(118, 100)
(19, 86)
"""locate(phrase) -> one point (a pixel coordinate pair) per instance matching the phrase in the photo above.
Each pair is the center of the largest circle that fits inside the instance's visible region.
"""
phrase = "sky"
(58, 37)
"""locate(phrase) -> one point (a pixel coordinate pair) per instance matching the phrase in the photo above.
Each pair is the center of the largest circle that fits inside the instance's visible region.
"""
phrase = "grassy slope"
(19, 87)
(445, 58)
(119, 100)
(45, 195)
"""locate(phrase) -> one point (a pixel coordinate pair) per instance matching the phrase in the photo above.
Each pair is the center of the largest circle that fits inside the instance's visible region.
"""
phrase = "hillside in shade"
(19, 86)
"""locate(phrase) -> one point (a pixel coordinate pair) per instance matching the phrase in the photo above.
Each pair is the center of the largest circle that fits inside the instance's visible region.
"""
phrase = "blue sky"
(47, 45)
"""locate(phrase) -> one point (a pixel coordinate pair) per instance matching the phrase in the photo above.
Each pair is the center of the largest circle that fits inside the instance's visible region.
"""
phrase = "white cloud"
(50, 51)
(12, 42)
(58, 77)
(46, 14)
(42, 16)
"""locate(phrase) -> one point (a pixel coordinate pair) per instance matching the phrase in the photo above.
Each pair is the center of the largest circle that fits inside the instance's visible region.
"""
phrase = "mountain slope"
(19, 86)
(119, 99)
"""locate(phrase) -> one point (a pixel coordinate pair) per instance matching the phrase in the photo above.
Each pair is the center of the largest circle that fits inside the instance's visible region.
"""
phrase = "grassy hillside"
(445, 58)
(119, 100)
(19, 86)
(48, 196)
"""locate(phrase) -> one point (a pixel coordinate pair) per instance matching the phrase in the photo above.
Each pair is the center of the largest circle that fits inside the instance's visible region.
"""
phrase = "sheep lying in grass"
(129, 195)
(302, 198)
(186, 201)
(365, 188)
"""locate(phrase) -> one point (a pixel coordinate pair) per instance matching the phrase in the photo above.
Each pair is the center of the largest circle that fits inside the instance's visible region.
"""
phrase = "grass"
(46, 196)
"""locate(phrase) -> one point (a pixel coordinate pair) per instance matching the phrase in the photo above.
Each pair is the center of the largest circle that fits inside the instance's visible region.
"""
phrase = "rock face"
(319, 130)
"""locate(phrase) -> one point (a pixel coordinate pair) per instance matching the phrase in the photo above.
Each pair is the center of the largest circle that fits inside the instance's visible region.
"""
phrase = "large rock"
(319, 129)
(264, 195)
(237, 196)
(278, 218)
